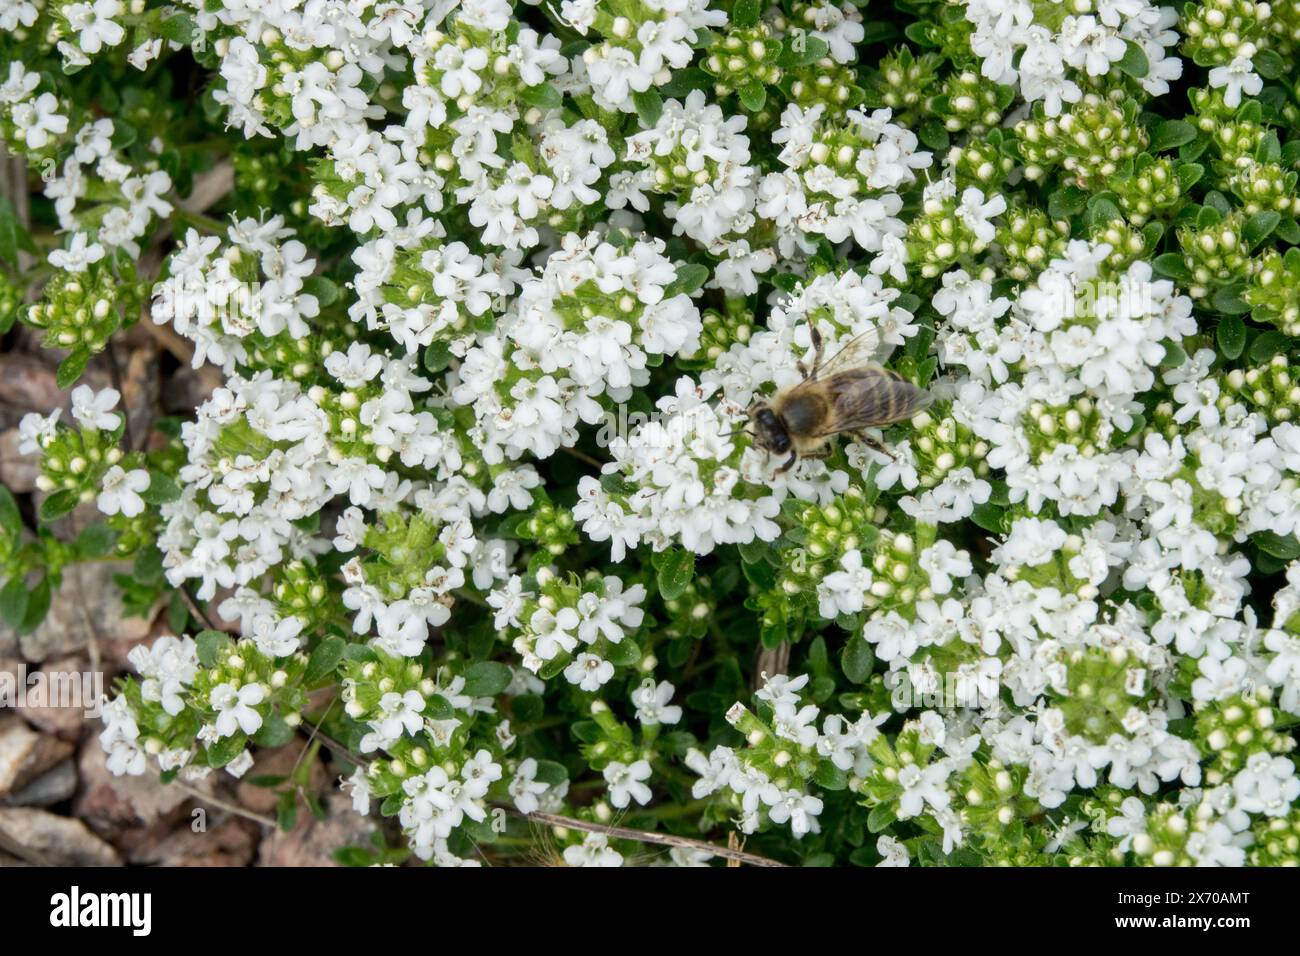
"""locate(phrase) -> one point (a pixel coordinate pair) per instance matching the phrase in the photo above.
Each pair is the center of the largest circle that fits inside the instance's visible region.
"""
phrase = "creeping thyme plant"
(489, 290)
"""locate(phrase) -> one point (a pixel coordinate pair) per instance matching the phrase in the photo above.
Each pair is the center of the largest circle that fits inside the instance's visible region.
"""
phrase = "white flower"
(627, 782)
(589, 672)
(95, 409)
(80, 253)
(653, 703)
(594, 850)
(1236, 78)
(120, 492)
(235, 708)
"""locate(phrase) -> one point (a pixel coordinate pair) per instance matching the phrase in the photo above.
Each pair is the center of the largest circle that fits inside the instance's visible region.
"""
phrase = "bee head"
(770, 432)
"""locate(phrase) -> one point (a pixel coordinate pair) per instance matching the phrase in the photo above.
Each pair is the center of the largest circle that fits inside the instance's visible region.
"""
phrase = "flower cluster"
(510, 308)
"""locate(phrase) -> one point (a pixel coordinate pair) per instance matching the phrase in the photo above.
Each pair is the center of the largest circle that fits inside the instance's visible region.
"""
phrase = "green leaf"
(857, 659)
(551, 773)
(325, 290)
(324, 661)
(880, 818)
(13, 235)
(58, 504)
(38, 605)
(626, 653)
(674, 570)
(13, 601)
(486, 679)
(1228, 300)
(685, 80)
(210, 644)
(1288, 230)
(544, 96)
(527, 708)
(11, 520)
(95, 540)
(753, 96)
(1170, 134)
(992, 518)
(649, 107)
(1231, 335)
(1259, 226)
(274, 732)
(1102, 210)
(745, 13)
(1287, 548)
(830, 776)
(161, 489)
(691, 276)
(437, 356)
(178, 28)
(1172, 265)
(1134, 62)
(225, 750)
(934, 135)
(70, 368)
(1268, 64)
(1066, 202)
(1268, 344)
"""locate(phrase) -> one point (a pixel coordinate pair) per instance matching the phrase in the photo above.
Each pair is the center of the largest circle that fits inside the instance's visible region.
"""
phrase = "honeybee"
(844, 394)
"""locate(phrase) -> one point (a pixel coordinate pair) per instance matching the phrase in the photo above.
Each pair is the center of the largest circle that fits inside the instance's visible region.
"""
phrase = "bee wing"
(857, 352)
(870, 396)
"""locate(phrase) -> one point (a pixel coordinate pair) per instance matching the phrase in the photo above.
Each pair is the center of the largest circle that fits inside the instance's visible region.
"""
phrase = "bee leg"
(817, 342)
(823, 452)
(789, 463)
(875, 444)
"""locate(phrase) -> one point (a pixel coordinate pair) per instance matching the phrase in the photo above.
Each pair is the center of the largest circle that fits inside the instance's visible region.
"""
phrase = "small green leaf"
(178, 28)
(95, 540)
(1268, 344)
(70, 368)
(11, 520)
(551, 773)
(1171, 265)
(1228, 300)
(1231, 336)
(1171, 134)
(58, 504)
(1066, 202)
(858, 659)
(674, 570)
(1259, 226)
(274, 732)
(1134, 62)
(225, 750)
(830, 776)
(1287, 548)
(880, 818)
(544, 96)
(325, 290)
(1268, 64)
(161, 489)
(324, 661)
(13, 601)
(486, 679)
(745, 13)
(753, 96)
(38, 605)
(649, 107)
(210, 644)
(691, 276)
